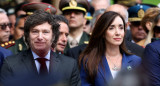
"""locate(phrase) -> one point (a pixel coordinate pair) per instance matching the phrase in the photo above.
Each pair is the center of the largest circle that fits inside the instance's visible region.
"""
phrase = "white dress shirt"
(35, 56)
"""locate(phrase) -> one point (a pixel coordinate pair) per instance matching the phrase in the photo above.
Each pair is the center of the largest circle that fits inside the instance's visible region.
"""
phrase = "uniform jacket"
(21, 69)
(151, 62)
(84, 40)
(103, 77)
(19, 46)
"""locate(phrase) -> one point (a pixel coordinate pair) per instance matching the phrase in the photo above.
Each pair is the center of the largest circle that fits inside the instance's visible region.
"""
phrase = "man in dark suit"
(39, 65)
(151, 62)
(4, 53)
(29, 8)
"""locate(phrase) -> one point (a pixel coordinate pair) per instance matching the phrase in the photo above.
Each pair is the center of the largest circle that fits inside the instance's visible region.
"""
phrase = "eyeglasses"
(4, 26)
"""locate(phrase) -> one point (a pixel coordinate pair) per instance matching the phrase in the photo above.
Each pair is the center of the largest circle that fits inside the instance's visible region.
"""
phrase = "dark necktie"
(43, 68)
(73, 43)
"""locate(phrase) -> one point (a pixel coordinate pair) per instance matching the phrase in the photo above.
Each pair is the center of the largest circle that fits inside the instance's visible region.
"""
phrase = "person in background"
(64, 32)
(148, 24)
(87, 27)
(106, 53)
(19, 11)
(75, 11)
(100, 4)
(39, 65)
(156, 28)
(5, 26)
(125, 3)
(136, 13)
(151, 59)
(19, 27)
(96, 16)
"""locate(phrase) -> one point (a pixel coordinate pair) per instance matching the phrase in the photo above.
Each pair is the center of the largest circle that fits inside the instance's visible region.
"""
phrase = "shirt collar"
(35, 56)
(70, 38)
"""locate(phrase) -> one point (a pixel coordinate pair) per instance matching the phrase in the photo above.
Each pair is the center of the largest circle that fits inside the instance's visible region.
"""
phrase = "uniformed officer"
(136, 13)
(29, 8)
(5, 31)
(75, 11)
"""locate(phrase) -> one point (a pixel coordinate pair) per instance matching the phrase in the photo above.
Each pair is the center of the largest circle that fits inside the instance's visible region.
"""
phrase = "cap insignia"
(48, 9)
(141, 13)
(72, 3)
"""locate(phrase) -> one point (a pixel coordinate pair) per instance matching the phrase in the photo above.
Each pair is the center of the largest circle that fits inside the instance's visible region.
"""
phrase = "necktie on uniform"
(73, 43)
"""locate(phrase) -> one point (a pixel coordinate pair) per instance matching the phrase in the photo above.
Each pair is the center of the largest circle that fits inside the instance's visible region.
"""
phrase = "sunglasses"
(137, 23)
(4, 26)
(156, 29)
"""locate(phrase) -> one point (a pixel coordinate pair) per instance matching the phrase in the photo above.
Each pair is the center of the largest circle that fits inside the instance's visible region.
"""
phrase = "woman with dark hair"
(106, 54)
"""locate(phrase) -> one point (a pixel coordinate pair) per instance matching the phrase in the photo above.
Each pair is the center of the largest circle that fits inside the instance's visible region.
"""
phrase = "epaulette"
(8, 44)
(86, 42)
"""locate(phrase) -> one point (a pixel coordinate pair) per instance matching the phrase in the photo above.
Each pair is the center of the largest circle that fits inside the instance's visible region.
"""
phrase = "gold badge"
(48, 9)
(20, 47)
(141, 13)
(2, 45)
(72, 3)
(29, 13)
(6, 43)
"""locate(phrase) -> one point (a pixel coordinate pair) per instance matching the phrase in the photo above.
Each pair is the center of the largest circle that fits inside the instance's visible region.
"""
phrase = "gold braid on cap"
(74, 5)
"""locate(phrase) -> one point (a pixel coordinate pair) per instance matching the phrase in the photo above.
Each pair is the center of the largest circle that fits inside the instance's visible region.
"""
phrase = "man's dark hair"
(61, 18)
(39, 17)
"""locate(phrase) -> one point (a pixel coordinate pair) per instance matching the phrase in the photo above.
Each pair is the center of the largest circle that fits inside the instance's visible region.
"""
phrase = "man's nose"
(8, 29)
(64, 38)
(72, 14)
(40, 36)
(140, 27)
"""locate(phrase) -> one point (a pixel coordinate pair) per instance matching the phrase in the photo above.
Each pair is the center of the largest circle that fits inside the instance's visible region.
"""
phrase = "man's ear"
(129, 23)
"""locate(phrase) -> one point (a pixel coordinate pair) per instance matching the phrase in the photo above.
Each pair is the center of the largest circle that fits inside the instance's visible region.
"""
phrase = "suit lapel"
(29, 62)
(105, 72)
(126, 62)
(54, 63)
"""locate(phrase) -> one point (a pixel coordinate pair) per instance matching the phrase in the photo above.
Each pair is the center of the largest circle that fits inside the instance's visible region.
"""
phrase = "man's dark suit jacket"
(151, 62)
(5, 52)
(20, 70)
(132, 47)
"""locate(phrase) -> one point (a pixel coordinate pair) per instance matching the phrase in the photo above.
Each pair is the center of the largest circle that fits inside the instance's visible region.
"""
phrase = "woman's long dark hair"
(92, 55)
